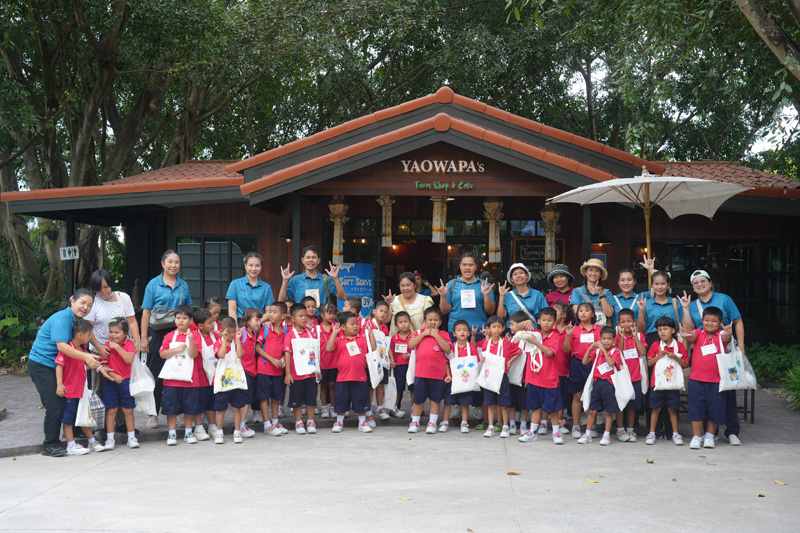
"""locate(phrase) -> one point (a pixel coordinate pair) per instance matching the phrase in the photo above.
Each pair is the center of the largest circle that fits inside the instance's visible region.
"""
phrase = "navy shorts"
(548, 400)
(400, 375)
(563, 386)
(177, 400)
(250, 393)
(462, 398)
(270, 387)
(502, 398)
(70, 411)
(385, 378)
(329, 375)
(705, 402)
(303, 392)
(603, 397)
(671, 399)
(207, 398)
(519, 398)
(578, 374)
(351, 395)
(236, 398)
(428, 389)
(117, 394)
(636, 403)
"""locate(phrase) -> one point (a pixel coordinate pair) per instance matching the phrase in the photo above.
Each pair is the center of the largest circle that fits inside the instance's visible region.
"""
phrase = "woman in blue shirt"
(466, 297)
(164, 290)
(310, 282)
(661, 304)
(54, 336)
(593, 272)
(522, 298)
(250, 290)
(627, 297)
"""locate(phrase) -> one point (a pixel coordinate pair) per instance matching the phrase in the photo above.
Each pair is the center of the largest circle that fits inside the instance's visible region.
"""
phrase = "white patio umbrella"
(675, 195)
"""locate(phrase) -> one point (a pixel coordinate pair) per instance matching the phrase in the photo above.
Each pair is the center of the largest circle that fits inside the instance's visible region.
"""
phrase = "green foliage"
(791, 387)
(771, 363)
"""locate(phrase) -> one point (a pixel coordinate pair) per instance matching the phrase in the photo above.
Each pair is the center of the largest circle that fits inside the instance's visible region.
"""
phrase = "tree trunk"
(55, 278)
(778, 41)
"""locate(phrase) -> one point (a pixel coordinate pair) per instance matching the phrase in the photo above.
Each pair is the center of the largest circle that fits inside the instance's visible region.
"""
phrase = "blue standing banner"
(357, 280)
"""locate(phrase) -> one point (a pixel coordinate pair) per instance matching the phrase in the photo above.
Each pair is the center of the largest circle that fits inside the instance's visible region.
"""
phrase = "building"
(472, 160)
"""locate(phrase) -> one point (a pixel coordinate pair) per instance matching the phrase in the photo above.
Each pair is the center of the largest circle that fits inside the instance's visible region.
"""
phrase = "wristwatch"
(602, 296)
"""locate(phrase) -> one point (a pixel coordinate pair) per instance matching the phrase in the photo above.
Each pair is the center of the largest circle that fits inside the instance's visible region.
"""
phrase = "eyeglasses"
(699, 282)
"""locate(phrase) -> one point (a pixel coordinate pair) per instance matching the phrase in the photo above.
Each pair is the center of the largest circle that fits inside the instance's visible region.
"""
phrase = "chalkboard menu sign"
(530, 252)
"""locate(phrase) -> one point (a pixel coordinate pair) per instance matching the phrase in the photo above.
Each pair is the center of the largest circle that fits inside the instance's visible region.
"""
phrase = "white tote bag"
(145, 404)
(390, 392)
(84, 418)
(586, 397)
(374, 367)
(464, 373)
(645, 383)
(623, 386)
(494, 367)
(141, 378)
(305, 356)
(412, 363)
(668, 375)
(179, 367)
(516, 371)
(229, 374)
(209, 355)
(735, 371)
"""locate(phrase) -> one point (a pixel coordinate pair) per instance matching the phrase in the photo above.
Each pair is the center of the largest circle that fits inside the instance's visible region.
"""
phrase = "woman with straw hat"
(593, 272)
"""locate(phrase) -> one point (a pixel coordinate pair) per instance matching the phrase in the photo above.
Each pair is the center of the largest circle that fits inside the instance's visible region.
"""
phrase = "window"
(210, 262)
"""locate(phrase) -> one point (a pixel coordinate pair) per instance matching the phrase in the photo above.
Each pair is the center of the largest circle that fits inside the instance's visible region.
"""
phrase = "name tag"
(604, 368)
(630, 354)
(314, 293)
(352, 348)
(401, 348)
(468, 299)
(587, 338)
(709, 349)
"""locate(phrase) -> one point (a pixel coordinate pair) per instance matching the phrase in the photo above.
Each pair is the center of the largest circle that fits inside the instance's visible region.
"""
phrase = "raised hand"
(332, 271)
(728, 329)
(569, 329)
(641, 303)
(685, 300)
(486, 288)
(442, 288)
(336, 328)
(238, 335)
(285, 273)
(389, 298)
(648, 264)
(502, 289)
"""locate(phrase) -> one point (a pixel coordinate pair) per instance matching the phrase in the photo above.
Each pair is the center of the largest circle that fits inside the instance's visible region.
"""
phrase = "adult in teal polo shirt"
(310, 282)
(521, 298)
(627, 298)
(250, 290)
(54, 336)
(661, 304)
(466, 297)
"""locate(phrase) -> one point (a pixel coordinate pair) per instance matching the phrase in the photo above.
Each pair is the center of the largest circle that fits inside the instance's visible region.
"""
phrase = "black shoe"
(54, 451)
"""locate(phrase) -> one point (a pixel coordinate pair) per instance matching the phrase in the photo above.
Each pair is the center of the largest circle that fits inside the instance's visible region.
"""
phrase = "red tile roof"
(444, 95)
(194, 169)
(730, 173)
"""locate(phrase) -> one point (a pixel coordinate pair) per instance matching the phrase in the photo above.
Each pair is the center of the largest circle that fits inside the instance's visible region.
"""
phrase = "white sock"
(70, 444)
(196, 426)
(237, 433)
(369, 412)
(464, 423)
(674, 434)
(92, 441)
(534, 428)
(523, 426)
(544, 425)
(588, 433)
(709, 436)
(629, 430)
(242, 425)
(274, 421)
(505, 427)
(415, 419)
(219, 432)
(189, 431)
(606, 433)
(340, 419)
(172, 432)
(434, 418)
(361, 419)
(266, 425)
(131, 435)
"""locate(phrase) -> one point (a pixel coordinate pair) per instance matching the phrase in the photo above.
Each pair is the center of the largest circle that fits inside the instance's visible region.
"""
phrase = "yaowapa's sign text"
(442, 166)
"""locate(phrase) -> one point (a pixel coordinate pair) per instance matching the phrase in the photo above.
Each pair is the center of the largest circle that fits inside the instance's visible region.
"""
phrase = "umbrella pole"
(647, 206)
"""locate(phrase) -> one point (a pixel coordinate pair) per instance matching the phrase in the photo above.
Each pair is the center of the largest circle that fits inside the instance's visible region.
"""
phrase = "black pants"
(44, 378)
(155, 363)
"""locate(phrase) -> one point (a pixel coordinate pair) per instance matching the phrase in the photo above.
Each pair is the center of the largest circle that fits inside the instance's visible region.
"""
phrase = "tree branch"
(778, 41)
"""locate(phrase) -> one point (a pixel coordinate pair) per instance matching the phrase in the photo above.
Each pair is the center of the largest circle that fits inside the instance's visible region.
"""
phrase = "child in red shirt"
(205, 365)
(633, 345)
(350, 350)
(116, 391)
(270, 390)
(431, 370)
(461, 348)
(231, 339)
(705, 400)
(251, 324)
(577, 341)
(399, 355)
(303, 388)
(71, 381)
(606, 359)
(667, 346)
(327, 383)
(380, 328)
(497, 345)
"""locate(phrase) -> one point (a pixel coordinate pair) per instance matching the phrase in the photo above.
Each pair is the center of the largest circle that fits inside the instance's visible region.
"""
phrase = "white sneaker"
(96, 447)
(325, 412)
(622, 435)
(212, 429)
(364, 427)
(382, 414)
(430, 429)
(650, 439)
(733, 440)
(444, 426)
(696, 444)
(677, 439)
(512, 429)
(311, 427)
(152, 422)
(110, 444)
(284, 431)
(529, 436)
(543, 428)
(413, 427)
(275, 431)
(337, 427)
(133, 442)
(464, 427)
(219, 439)
(371, 421)
(77, 450)
(504, 433)
(585, 439)
(631, 436)
(237, 439)
(558, 438)
(189, 438)
(606, 440)
(489, 433)
(247, 433)
(172, 440)
(200, 433)
(299, 428)
(576, 432)
(397, 413)
(708, 443)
